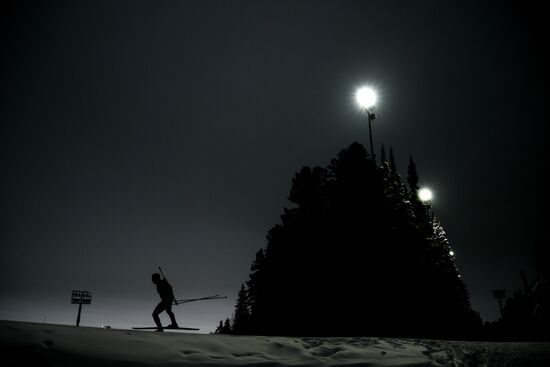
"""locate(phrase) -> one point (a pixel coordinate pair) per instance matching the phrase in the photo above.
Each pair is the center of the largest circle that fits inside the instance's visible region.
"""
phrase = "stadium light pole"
(425, 195)
(366, 99)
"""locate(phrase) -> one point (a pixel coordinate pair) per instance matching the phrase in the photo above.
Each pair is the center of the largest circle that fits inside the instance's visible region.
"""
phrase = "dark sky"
(137, 134)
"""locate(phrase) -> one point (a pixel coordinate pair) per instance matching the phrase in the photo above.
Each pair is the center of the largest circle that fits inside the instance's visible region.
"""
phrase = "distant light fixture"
(365, 97)
(452, 253)
(425, 194)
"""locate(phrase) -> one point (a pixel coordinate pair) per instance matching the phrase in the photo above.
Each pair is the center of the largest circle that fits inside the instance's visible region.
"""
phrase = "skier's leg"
(158, 309)
(168, 309)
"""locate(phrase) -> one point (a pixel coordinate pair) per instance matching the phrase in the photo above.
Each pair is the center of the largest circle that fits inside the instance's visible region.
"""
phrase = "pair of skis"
(164, 328)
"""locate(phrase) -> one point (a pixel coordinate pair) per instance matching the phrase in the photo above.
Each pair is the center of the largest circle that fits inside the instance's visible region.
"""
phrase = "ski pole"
(201, 299)
(161, 273)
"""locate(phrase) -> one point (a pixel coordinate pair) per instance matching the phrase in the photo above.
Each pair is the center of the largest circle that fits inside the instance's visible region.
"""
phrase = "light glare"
(425, 194)
(366, 98)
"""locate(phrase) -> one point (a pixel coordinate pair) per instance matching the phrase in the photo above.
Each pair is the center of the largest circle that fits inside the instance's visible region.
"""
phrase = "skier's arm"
(171, 292)
(168, 286)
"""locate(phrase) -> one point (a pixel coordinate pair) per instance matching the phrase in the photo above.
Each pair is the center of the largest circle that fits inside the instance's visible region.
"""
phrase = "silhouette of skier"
(166, 294)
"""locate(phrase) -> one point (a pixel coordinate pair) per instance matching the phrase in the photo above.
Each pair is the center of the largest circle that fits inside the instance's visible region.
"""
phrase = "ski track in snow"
(61, 345)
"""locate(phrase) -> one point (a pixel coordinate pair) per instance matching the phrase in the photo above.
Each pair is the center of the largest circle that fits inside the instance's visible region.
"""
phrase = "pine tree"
(393, 166)
(242, 313)
(226, 329)
(420, 209)
(382, 155)
(219, 328)
(412, 177)
(396, 180)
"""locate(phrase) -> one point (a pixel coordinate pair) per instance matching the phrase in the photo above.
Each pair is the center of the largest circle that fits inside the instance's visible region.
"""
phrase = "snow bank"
(61, 345)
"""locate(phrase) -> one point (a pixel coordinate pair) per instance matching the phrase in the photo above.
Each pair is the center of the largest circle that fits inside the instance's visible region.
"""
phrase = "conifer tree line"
(356, 253)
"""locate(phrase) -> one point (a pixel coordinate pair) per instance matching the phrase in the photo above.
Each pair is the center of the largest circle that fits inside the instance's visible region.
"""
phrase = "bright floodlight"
(452, 253)
(366, 98)
(425, 194)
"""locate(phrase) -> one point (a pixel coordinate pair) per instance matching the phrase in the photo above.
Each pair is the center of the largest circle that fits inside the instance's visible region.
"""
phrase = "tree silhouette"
(219, 328)
(226, 328)
(241, 320)
(358, 251)
(412, 177)
(393, 166)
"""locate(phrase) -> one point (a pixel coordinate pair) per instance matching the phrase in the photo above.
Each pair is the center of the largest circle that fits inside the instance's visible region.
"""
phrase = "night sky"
(143, 134)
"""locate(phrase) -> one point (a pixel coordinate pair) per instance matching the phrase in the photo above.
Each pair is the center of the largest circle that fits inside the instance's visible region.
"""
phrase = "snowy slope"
(61, 345)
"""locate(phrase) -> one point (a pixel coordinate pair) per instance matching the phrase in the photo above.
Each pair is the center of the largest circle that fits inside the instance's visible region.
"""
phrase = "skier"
(166, 294)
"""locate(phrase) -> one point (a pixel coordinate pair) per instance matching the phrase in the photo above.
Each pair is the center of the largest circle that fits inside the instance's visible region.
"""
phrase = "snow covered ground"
(62, 345)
